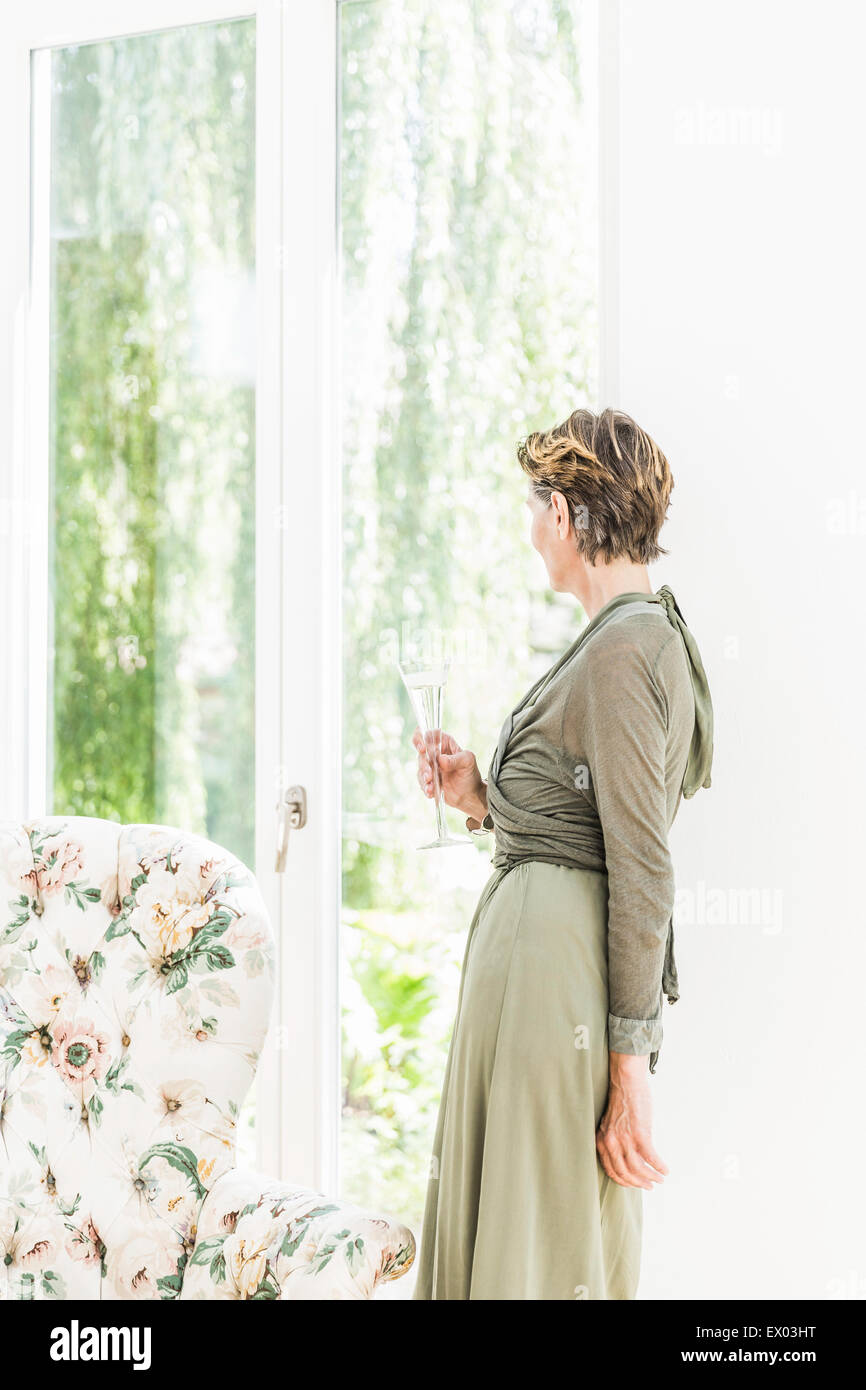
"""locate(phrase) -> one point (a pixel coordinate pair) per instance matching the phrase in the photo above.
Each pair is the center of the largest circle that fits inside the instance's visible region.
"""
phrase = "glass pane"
(152, 429)
(468, 195)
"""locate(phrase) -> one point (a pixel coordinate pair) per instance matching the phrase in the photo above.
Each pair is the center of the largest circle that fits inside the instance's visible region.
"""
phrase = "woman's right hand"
(624, 1136)
(462, 784)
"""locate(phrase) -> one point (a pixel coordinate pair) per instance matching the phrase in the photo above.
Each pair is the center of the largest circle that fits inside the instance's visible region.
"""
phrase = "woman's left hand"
(461, 782)
(624, 1137)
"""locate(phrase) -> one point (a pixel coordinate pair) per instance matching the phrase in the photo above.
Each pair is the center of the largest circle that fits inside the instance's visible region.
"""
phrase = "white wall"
(741, 349)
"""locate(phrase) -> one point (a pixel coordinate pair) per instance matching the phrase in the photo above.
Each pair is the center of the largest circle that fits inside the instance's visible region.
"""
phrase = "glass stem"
(439, 799)
(441, 827)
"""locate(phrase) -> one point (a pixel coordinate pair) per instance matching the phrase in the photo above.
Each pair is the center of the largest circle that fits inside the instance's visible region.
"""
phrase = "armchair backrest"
(136, 983)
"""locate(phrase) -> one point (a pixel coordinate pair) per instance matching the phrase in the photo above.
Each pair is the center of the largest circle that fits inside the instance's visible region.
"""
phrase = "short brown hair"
(615, 478)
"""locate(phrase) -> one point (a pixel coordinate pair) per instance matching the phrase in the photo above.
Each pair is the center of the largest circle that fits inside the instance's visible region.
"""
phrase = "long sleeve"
(625, 733)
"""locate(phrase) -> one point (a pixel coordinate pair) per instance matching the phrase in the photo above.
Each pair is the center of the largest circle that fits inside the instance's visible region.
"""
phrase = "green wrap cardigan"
(589, 772)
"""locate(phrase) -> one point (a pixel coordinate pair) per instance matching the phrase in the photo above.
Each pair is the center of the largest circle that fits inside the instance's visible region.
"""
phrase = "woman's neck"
(596, 585)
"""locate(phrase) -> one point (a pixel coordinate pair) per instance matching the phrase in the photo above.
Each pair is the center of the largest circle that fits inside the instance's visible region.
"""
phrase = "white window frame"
(297, 547)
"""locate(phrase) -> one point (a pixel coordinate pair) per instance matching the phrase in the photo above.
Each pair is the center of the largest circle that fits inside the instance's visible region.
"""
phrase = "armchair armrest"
(258, 1238)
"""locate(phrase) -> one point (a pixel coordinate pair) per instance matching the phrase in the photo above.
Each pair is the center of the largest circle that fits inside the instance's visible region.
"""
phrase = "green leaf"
(114, 1072)
(205, 937)
(14, 1043)
(218, 958)
(14, 930)
(355, 1252)
(181, 1158)
(52, 1285)
(209, 955)
(291, 1242)
(213, 927)
(178, 977)
(205, 1249)
(268, 1290)
(72, 893)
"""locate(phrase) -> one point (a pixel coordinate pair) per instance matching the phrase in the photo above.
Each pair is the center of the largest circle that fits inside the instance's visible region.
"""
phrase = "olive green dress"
(569, 953)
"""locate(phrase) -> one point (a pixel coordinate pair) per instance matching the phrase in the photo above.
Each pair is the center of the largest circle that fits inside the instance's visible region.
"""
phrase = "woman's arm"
(625, 734)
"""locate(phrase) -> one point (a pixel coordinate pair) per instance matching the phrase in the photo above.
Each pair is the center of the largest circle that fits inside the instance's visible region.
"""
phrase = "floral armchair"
(136, 968)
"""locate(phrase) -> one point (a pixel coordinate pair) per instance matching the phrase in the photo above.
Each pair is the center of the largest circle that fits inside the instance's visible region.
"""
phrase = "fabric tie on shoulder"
(700, 760)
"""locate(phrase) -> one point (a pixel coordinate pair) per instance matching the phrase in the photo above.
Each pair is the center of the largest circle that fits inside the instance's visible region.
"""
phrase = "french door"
(170, 512)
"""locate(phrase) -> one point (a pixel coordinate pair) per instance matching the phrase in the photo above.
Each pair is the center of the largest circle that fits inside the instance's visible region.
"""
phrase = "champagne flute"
(425, 684)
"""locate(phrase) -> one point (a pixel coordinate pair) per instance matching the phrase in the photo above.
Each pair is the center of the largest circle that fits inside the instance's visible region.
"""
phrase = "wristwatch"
(479, 828)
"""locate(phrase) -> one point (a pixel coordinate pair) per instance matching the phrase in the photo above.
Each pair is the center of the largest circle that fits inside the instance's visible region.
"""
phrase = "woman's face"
(550, 534)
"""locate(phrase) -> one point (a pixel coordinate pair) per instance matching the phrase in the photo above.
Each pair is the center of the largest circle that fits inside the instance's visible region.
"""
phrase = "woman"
(543, 1143)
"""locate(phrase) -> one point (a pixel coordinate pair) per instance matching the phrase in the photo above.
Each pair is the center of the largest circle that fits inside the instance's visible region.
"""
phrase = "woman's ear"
(563, 516)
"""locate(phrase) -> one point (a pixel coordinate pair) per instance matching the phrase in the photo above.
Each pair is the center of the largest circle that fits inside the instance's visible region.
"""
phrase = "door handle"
(291, 815)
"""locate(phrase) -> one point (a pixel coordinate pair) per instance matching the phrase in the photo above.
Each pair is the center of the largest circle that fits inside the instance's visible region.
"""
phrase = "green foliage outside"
(153, 430)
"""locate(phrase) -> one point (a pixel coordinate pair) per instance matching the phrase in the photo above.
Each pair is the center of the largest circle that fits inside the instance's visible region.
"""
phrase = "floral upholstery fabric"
(136, 983)
(261, 1240)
